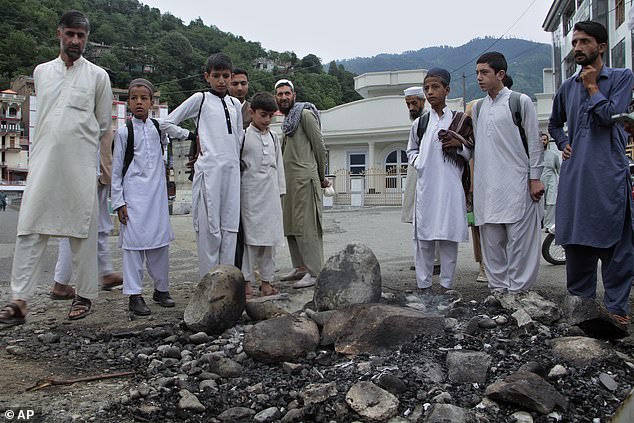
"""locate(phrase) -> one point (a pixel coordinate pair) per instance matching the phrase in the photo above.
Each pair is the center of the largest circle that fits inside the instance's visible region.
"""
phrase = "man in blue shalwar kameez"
(594, 203)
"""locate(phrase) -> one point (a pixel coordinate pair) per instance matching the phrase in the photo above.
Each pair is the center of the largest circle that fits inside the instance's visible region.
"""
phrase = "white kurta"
(501, 168)
(74, 110)
(439, 211)
(217, 169)
(261, 186)
(143, 189)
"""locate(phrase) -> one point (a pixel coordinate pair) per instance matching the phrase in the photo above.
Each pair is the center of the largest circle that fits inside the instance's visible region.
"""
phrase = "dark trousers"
(617, 269)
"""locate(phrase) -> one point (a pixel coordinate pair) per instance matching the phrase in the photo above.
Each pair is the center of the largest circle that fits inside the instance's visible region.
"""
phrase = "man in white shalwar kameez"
(74, 102)
(139, 195)
(440, 216)
(216, 184)
(62, 289)
(507, 189)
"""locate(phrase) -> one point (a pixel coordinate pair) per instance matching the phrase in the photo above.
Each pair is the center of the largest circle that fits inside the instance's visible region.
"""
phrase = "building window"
(356, 163)
(571, 65)
(619, 12)
(568, 17)
(618, 55)
(395, 168)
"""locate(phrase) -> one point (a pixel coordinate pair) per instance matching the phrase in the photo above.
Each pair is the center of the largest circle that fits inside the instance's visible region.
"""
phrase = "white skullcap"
(285, 82)
(417, 91)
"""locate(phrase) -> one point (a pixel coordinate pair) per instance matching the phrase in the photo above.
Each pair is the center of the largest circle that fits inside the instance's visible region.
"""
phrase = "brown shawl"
(460, 128)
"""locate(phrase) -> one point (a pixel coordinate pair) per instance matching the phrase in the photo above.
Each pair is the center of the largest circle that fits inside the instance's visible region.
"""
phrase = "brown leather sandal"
(11, 315)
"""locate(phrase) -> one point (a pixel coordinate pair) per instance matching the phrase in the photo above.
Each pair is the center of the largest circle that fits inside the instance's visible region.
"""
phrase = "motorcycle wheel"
(553, 253)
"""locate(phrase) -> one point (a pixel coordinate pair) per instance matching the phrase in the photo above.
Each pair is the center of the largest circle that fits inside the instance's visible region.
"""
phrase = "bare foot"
(266, 289)
(248, 290)
(62, 292)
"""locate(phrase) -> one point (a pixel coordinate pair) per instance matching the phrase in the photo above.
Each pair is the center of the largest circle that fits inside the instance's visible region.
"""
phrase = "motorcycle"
(552, 253)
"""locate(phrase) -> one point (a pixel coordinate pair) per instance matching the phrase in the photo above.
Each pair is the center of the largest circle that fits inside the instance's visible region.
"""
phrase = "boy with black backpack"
(507, 165)
(139, 195)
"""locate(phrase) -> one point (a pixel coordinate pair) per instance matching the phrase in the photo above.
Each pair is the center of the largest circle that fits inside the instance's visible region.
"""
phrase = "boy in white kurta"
(262, 184)
(440, 214)
(139, 195)
(216, 184)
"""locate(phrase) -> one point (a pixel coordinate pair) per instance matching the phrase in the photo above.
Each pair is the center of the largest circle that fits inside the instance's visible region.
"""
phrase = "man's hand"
(326, 183)
(589, 78)
(565, 155)
(122, 214)
(536, 189)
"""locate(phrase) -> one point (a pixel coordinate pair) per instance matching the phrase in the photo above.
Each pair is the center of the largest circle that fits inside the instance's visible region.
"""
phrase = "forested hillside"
(141, 39)
(526, 59)
(137, 40)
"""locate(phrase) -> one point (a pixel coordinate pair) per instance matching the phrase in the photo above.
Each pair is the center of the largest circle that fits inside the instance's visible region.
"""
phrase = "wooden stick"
(50, 382)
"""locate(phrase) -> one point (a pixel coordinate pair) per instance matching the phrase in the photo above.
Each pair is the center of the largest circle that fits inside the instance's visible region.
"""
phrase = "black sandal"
(9, 319)
(81, 306)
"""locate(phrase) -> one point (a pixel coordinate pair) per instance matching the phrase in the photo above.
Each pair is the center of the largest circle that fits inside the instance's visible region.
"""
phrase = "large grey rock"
(316, 393)
(374, 328)
(536, 306)
(224, 367)
(446, 413)
(581, 351)
(593, 318)
(468, 366)
(263, 308)
(218, 301)
(372, 402)
(527, 390)
(268, 415)
(352, 276)
(280, 339)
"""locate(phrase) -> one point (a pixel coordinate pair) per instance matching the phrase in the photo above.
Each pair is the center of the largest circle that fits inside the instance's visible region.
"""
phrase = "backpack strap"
(423, 121)
(475, 110)
(129, 147)
(515, 105)
(158, 129)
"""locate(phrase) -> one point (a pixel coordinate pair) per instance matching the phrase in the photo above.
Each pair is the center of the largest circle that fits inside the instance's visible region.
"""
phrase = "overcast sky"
(344, 29)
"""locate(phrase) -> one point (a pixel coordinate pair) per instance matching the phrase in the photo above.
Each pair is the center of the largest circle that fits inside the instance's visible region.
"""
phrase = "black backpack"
(129, 148)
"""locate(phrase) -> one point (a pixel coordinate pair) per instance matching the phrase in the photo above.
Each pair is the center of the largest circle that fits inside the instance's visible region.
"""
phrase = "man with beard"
(415, 102)
(74, 102)
(304, 157)
(239, 88)
(594, 203)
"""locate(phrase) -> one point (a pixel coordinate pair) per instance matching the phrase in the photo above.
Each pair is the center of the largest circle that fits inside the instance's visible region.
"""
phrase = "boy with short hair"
(216, 183)
(261, 186)
(440, 159)
(507, 191)
(139, 195)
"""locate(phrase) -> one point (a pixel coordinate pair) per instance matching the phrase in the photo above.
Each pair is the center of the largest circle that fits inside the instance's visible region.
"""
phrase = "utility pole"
(464, 92)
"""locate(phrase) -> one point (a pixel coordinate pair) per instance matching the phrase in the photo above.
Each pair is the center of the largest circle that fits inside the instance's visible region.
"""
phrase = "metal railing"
(377, 186)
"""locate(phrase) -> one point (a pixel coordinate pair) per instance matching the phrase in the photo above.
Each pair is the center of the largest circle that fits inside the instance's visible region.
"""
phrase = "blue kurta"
(594, 184)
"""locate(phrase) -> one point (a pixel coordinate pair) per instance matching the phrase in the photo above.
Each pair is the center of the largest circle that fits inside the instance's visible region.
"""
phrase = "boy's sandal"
(266, 289)
(80, 308)
(624, 320)
(11, 315)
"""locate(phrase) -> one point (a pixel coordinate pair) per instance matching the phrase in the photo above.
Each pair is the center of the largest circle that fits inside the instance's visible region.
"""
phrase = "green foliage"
(132, 38)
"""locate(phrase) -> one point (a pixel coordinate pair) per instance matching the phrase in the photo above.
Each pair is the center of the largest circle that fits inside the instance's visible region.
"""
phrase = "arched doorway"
(395, 170)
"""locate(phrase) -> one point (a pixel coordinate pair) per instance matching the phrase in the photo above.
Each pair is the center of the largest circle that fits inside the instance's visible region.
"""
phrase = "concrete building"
(14, 146)
(561, 18)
